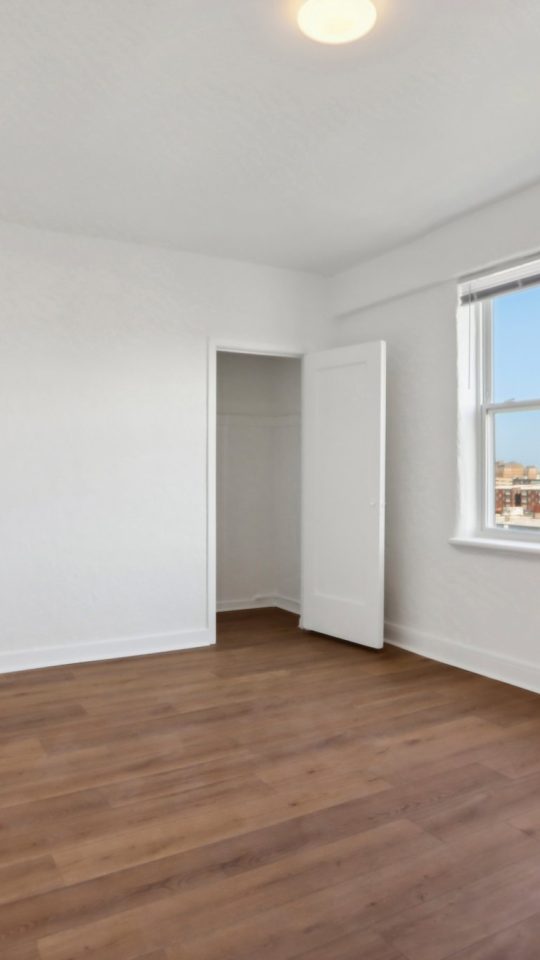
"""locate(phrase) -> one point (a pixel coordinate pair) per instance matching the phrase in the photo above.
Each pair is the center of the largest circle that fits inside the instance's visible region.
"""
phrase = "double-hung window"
(499, 389)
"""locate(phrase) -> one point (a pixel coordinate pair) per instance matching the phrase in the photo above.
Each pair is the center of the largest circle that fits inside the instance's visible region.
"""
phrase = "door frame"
(215, 347)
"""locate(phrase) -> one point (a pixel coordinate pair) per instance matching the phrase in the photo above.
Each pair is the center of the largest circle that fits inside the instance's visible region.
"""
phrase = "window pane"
(517, 469)
(516, 346)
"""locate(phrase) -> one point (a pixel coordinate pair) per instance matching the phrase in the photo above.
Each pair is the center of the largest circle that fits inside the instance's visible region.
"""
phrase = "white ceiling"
(215, 126)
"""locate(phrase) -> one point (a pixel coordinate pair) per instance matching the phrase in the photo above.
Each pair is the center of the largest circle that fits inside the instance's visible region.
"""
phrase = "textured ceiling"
(215, 126)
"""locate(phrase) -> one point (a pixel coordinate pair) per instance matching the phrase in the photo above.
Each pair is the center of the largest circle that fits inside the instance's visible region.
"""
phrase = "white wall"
(475, 608)
(488, 236)
(103, 426)
(258, 481)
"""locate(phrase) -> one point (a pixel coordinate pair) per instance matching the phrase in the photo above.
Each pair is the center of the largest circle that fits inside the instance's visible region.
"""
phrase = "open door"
(343, 512)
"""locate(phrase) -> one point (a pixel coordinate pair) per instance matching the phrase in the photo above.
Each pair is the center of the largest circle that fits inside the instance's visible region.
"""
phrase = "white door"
(343, 417)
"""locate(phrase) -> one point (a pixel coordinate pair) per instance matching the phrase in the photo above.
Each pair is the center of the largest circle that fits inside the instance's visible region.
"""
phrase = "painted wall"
(258, 481)
(476, 608)
(493, 234)
(103, 425)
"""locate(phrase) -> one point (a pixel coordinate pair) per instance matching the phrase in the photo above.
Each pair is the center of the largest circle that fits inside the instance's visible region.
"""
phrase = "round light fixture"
(336, 21)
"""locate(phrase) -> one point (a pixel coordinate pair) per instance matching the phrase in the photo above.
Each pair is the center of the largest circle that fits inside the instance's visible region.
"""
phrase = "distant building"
(509, 470)
(517, 492)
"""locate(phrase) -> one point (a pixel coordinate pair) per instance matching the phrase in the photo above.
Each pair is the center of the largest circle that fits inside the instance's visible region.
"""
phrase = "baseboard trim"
(40, 657)
(287, 603)
(259, 603)
(518, 673)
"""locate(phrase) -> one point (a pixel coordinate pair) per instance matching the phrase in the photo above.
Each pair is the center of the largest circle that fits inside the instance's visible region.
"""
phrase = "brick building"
(517, 491)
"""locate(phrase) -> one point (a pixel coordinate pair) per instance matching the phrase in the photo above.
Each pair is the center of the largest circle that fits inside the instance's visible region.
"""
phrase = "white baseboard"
(518, 673)
(258, 603)
(37, 657)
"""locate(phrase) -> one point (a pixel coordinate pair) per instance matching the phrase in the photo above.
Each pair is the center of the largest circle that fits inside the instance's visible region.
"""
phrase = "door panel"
(343, 493)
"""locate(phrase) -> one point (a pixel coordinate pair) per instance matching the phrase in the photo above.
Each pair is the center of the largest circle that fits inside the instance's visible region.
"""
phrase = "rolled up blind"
(499, 282)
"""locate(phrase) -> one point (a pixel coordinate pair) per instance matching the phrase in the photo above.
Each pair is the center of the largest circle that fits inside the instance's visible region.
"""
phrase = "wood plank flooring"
(280, 797)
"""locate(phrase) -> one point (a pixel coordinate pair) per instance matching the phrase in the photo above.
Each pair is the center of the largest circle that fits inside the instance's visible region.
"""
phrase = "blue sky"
(516, 347)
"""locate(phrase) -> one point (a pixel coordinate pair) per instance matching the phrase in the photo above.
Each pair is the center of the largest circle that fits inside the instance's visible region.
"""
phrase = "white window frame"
(477, 412)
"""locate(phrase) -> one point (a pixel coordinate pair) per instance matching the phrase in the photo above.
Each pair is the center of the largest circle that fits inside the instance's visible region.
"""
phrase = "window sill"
(493, 543)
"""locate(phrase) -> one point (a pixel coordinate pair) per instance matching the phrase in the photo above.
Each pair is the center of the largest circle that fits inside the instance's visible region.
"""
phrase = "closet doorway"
(258, 481)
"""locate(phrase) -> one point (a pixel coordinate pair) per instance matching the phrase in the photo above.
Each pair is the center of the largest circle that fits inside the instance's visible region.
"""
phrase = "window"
(499, 429)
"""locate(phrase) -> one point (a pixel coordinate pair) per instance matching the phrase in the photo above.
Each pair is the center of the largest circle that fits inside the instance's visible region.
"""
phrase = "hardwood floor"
(281, 796)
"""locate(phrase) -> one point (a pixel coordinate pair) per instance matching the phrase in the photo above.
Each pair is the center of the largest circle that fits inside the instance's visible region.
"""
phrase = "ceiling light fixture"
(336, 21)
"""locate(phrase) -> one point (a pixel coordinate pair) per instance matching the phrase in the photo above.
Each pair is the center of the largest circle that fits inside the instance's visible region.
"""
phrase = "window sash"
(509, 405)
(487, 415)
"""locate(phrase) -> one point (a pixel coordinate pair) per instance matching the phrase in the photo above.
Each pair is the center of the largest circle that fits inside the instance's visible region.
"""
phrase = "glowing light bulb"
(337, 21)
